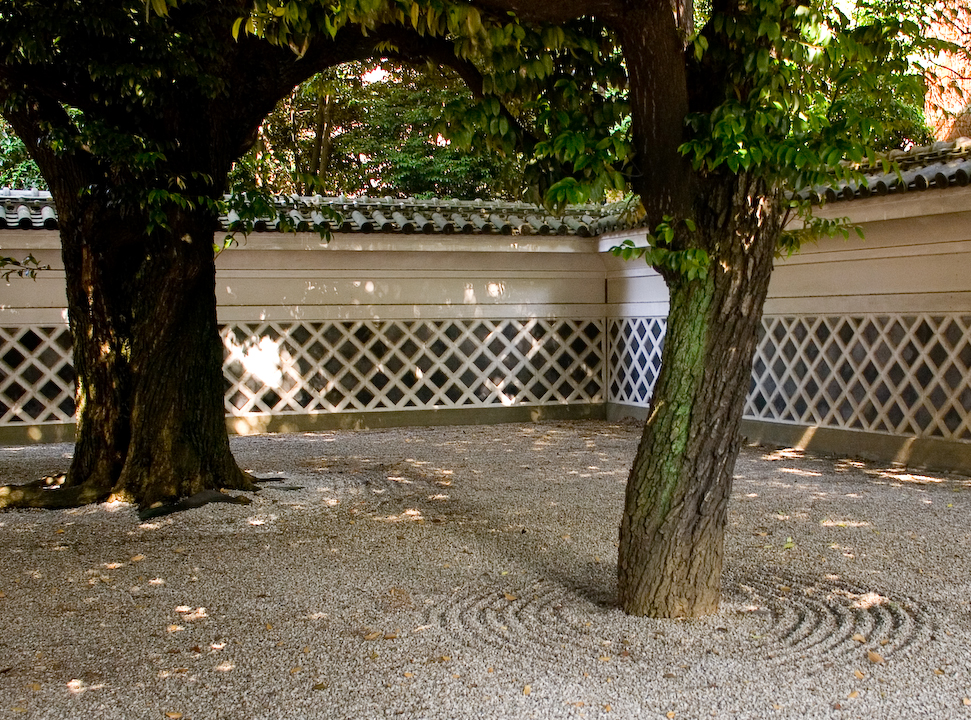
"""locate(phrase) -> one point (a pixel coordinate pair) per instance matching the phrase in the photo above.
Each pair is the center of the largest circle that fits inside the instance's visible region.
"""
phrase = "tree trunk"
(672, 531)
(151, 419)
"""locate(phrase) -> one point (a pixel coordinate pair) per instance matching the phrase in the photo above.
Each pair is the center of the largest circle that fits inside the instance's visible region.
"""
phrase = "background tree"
(374, 129)
(17, 170)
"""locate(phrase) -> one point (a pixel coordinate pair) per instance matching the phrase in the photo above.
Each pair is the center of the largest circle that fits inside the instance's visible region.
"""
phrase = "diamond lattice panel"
(634, 351)
(36, 375)
(899, 374)
(397, 365)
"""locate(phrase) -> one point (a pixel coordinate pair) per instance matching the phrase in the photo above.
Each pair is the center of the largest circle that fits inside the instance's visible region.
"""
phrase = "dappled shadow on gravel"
(469, 572)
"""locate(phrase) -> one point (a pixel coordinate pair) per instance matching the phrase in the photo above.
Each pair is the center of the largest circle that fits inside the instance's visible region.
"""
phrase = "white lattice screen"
(397, 365)
(634, 359)
(898, 374)
(36, 375)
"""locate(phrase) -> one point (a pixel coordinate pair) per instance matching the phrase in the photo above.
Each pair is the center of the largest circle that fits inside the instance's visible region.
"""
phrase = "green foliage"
(557, 95)
(553, 94)
(812, 229)
(26, 268)
(662, 254)
(17, 170)
(356, 131)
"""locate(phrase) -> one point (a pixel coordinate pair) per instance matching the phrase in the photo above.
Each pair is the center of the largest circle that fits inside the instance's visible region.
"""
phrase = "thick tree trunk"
(672, 531)
(151, 420)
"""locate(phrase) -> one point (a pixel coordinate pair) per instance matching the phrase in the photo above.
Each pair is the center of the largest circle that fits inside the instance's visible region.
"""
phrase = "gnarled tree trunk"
(151, 419)
(672, 531)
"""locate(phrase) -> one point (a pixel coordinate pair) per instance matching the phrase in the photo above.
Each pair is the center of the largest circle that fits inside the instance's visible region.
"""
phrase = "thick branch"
(555, 12)
(414, 48)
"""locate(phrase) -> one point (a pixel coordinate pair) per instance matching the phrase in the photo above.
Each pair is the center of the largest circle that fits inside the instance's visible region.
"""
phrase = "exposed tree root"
(198, 500)
(47, 495)
(50, 496)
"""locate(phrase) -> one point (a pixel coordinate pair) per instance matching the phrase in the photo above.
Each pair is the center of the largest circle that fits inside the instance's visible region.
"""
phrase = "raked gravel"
(469, 572)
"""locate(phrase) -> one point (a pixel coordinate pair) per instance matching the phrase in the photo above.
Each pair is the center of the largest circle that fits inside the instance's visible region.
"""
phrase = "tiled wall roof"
(941, 165)
(33, 209)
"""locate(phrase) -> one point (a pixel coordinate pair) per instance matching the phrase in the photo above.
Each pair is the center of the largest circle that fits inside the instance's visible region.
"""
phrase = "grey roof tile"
(33, 209)
(938, 166)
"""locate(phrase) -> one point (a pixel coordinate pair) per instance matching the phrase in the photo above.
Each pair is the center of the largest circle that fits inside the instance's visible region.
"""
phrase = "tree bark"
(150, 413)
(672, 530)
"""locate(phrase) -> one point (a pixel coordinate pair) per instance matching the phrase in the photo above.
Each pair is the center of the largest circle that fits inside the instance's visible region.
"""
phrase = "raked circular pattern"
(819, 617)
(804, 621)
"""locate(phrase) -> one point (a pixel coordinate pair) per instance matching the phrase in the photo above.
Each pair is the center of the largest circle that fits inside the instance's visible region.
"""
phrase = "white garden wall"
(867, 344)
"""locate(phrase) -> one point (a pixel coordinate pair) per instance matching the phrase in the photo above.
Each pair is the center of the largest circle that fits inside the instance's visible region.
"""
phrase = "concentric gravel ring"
(809, 621)
(826, 618)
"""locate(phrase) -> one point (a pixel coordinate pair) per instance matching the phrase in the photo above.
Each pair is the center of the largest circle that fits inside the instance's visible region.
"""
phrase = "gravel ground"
(468, 572)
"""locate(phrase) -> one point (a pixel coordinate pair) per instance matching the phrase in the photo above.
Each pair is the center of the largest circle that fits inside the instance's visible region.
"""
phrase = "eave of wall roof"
(34, 210)
(939, 166)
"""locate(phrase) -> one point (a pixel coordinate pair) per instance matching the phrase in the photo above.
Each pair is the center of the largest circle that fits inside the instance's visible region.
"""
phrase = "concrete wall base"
(930, 453)
(258, 424)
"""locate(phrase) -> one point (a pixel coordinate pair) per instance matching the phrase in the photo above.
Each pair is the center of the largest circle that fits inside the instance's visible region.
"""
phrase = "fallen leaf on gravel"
(966, 701)
(671, 714)
(373, 635)
(294, 671)
(196, 649)
(390, 636)
(18, 709)
(409, 675)
(776, 707)
(858, 674)
(173, 715)
(174, 628)
(853, 695)
(885, 642)
(138, 558)
(938, 671)
(607, 708)
(306, 650)
(2, 594)
(527, 690)
(510, 597)
(269, 626)
(859, 638)
(874, 657)
(604, 658)
(320, 686)
(35, 687)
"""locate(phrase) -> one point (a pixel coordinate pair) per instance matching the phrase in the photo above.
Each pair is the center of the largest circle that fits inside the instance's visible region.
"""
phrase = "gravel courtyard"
(469, 572)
